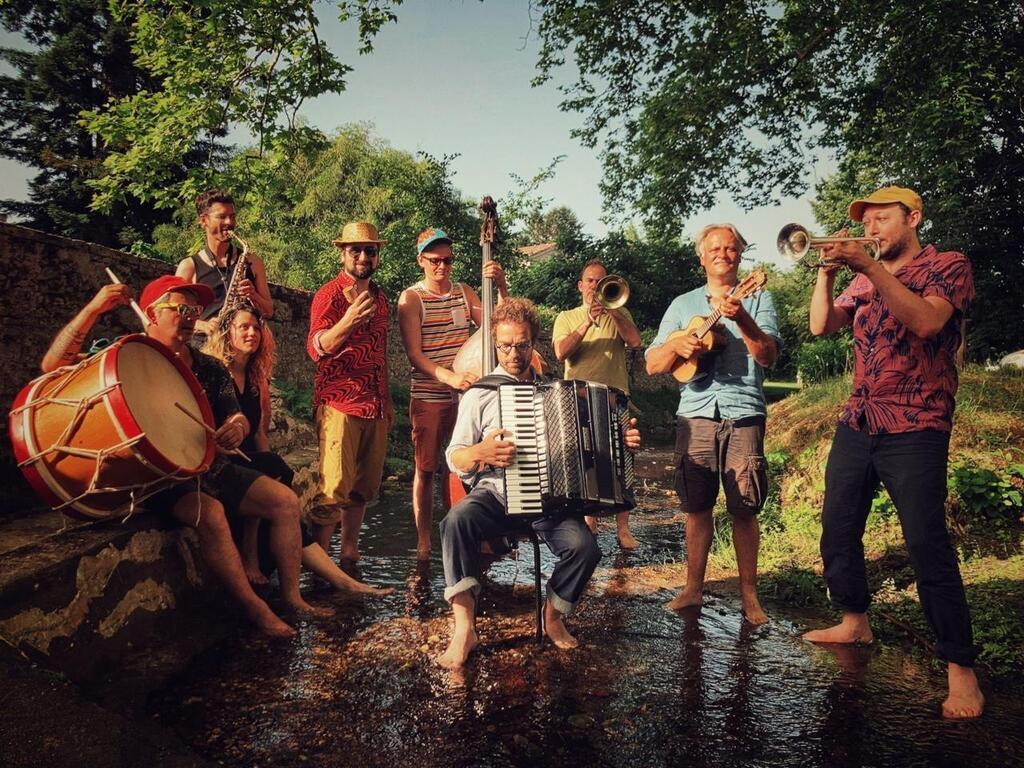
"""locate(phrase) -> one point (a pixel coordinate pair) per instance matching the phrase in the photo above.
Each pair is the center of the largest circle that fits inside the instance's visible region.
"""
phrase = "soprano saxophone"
(231, 298)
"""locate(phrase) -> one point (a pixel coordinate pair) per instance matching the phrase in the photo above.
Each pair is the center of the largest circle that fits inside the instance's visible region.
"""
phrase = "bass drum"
(96, 438)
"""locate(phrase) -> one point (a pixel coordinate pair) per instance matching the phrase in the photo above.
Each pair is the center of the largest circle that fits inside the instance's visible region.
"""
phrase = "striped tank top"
(444, 328)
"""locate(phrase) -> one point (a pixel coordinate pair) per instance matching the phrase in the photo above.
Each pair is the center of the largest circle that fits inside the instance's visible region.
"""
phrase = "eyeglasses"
(437, 261)
(521, 347)
(369, 250)
(185, 310)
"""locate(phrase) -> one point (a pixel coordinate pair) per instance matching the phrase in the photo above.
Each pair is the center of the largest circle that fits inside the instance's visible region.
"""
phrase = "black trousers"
(912, 467)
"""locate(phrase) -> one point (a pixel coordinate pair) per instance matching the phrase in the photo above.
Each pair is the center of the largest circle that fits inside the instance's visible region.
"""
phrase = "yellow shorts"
(352, 451)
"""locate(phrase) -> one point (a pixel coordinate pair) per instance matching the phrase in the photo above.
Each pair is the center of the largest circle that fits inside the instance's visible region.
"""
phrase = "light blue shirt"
(732, 386)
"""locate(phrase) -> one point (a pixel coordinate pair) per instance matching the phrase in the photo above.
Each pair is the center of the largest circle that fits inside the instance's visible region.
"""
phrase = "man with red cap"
(905, 307)
(172, 305)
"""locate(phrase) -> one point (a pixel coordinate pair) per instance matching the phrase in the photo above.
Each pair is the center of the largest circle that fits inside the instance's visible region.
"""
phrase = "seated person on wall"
(172, 306)
(244, 344)
(478, 454)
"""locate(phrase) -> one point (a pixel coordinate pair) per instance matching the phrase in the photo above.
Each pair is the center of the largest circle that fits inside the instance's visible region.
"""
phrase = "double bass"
(477, 354)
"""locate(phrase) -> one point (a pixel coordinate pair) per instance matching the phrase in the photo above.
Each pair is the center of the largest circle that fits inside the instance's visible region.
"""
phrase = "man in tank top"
(213, 264)
(434, 317)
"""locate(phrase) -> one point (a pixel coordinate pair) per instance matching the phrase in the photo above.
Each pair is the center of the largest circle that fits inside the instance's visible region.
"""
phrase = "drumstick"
(135, 304)
(208, 428)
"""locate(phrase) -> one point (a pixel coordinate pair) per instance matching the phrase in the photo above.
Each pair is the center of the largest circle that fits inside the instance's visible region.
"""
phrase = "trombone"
(611, 292)
(795, 243)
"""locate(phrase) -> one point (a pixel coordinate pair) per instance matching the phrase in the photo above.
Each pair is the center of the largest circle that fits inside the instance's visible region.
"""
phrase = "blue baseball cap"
(428, 237)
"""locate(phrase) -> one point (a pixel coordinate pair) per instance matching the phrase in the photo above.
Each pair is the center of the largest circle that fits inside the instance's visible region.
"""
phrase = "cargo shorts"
(721, 452)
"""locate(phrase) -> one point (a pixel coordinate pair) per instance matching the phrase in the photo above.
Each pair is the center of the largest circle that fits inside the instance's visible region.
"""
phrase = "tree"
(551, 224)
(79, 57)
(215, 65)
(657, 272)
(692, 100)
(293, 204)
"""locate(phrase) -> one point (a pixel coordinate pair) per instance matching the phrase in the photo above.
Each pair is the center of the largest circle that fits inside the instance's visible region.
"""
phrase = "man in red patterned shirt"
(905, 309)
(348, 339)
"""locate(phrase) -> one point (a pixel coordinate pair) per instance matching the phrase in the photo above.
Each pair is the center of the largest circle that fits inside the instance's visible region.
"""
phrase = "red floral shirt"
(901, 382)
(354, 379)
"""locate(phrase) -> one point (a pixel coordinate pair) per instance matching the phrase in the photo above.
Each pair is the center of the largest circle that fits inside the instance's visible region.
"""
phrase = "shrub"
(823, 358)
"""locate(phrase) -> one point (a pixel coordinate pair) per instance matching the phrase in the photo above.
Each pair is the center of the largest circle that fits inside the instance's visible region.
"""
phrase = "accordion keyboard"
(521, 409)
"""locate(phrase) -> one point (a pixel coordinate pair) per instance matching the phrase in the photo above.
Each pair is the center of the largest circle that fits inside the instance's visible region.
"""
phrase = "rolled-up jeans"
(480, 516)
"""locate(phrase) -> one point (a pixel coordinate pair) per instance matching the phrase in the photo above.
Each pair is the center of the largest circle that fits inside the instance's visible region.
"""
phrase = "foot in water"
(458, 650)
(688, 598)
(302, 608)
(853, 629)
(267, 623)
(555, 628)
(752, 610)
(965, 700)
(626, 539)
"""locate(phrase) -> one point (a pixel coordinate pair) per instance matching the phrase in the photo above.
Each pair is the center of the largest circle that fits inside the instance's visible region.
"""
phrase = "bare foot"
(254, 574)
(854, 628)
(965, 700)
(685, 599)
(591, 523)
(627, 540)
(753, 612)
(270, 625)
(349, 555)
(458, 650)
(555, 629)
(300, 606)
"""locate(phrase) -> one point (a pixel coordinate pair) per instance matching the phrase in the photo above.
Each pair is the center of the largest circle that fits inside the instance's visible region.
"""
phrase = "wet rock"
(581, 721)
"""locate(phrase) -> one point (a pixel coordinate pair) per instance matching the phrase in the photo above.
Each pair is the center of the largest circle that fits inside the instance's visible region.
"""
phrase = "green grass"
(988, 434)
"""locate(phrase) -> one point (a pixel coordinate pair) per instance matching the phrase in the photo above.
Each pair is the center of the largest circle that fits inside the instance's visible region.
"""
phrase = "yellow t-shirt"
(601, 356)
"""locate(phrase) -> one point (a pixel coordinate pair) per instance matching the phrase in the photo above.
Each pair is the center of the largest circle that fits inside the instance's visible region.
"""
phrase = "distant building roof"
(539, 251)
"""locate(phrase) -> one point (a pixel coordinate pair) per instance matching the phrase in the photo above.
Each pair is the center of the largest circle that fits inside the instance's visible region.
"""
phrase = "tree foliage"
(657, 272)
(690, 100)
(293, 204)
(77, 57)
(215, 65)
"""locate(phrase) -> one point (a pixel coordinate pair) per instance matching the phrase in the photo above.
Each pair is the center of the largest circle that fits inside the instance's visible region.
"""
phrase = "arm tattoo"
(69, 342)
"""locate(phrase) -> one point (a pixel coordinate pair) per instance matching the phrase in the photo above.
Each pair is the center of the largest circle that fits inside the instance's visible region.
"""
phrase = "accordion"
(571, 454)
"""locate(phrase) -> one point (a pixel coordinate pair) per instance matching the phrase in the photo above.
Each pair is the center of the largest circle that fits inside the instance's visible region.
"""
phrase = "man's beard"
(362, 271)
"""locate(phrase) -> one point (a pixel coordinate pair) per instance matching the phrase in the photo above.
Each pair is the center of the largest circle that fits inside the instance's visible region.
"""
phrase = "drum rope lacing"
(138, 492)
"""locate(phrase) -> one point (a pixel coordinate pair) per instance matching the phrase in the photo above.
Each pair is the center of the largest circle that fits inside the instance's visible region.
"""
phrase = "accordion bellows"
(571, 454)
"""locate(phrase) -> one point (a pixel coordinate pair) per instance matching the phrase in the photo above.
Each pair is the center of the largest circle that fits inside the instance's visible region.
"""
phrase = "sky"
(453, 77)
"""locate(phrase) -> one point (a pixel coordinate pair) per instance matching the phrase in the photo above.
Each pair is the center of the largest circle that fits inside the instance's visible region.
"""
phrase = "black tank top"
(216, 278)
(249, 402)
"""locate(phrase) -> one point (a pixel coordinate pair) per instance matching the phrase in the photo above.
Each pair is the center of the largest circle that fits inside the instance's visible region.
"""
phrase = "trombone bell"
(612, 292)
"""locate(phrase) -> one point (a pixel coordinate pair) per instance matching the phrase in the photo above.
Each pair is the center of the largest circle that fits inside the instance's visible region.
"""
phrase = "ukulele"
(703, 327)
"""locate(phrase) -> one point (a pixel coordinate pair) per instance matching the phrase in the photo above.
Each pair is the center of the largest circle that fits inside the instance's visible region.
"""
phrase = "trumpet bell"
(794, 242)
(612, 292)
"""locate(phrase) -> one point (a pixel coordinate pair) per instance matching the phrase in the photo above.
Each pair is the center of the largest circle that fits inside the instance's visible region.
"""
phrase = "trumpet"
(612, 292)
(795, 242)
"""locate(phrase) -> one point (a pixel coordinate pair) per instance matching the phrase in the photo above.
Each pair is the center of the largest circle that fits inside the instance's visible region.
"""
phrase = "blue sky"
(453, 76)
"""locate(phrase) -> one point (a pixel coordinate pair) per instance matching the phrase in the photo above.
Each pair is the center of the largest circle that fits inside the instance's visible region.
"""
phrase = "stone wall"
(46, 279)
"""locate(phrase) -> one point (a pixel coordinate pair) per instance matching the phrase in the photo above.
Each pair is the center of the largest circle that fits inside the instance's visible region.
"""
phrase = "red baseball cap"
(162, 285)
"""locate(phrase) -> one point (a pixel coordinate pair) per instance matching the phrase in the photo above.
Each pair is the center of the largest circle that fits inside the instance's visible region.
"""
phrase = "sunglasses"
(521, 347)
(369, 250)
(437, 261)
(187, 311)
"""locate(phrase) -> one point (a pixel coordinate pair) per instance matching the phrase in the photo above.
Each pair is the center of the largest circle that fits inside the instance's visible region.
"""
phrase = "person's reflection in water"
(696, 731)
(418, 593)
(746, 736)
(844, 725)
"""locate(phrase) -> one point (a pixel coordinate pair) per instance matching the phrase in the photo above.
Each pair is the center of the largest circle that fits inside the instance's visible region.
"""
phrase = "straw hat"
(358, 232)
